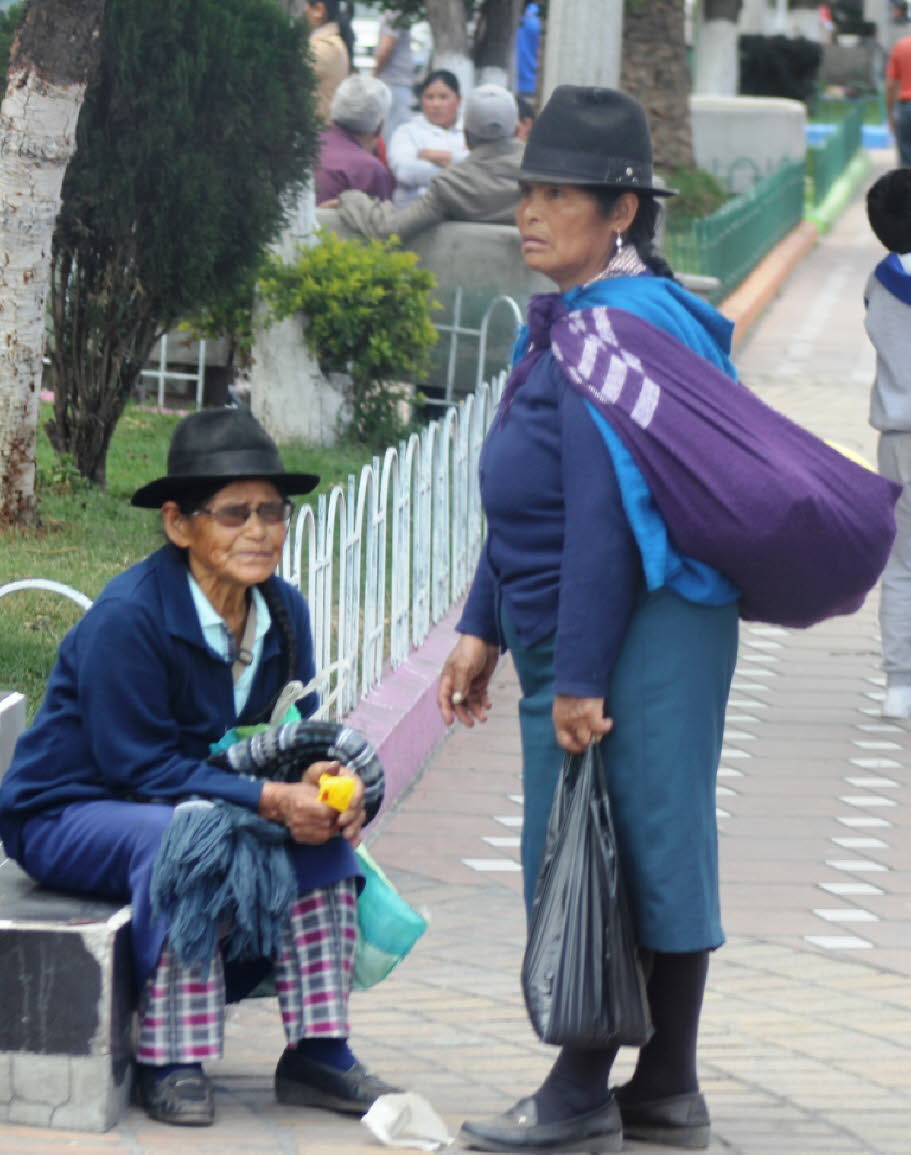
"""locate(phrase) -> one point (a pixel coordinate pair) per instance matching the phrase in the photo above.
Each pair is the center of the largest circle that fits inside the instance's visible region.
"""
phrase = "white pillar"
(878, 11)
(716, 71)
(582, 44)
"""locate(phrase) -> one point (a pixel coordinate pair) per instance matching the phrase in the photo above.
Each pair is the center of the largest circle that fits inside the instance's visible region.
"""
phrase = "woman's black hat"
(215, 447)
(591, 136)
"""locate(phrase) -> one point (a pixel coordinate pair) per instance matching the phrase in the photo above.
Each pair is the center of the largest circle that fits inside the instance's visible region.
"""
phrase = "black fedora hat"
(215, 447)
(591, 136)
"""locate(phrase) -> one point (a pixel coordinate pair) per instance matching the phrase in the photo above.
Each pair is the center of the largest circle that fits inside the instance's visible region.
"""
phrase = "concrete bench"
(65, 1011)
(65, 1015)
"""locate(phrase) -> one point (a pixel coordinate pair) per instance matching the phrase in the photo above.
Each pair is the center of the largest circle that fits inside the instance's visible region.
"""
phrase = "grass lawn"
(86, 536)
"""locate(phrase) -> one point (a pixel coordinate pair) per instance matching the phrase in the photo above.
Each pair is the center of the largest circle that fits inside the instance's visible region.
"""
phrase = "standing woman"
(612, 632)
(195, 640)
(332, 48)
(429, 142)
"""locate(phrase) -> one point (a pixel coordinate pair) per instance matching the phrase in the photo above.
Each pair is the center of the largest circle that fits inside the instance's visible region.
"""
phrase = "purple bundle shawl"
(803, 531)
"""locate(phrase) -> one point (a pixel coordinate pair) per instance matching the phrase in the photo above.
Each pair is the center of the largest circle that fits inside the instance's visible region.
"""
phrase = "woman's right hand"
(438, 156)
(297, 806)
(462, 692)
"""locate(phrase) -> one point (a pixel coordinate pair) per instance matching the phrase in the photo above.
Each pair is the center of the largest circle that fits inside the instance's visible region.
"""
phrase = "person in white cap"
(347, 158)
(482, 187)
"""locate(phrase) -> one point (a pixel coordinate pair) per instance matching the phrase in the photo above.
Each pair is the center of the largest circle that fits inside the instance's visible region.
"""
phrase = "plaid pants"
(182, 1015)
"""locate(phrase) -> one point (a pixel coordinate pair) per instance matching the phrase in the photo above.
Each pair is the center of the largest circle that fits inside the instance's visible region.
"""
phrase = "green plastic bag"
(387, 926)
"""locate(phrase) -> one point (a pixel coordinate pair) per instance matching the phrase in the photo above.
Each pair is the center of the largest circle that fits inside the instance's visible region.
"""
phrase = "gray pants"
(894, 456)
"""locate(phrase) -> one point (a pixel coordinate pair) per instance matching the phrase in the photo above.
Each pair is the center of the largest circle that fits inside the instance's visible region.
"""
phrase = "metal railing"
(387, 556)
(827, 160)
(730, 242)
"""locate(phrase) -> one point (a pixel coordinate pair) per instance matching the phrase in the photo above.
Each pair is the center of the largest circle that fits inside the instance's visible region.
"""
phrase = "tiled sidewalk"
(806, 1043)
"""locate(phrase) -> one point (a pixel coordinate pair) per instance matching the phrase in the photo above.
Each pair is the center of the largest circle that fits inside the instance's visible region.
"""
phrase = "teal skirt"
(668, 696)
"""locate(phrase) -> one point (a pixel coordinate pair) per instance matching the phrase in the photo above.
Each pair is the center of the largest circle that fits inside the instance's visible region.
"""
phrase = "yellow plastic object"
(336, 791)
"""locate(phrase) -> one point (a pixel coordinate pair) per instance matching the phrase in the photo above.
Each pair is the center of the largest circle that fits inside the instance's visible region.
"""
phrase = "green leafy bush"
(699, 194)
(365, 306)
(9, 23)
(779, 66)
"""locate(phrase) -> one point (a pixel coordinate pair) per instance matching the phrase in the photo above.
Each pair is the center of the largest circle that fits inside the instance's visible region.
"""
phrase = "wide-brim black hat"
(215, 447)
(591, 136)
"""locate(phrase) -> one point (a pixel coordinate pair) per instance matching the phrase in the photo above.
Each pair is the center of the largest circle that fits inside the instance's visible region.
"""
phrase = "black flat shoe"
(303, 1082)
(182, 1098)
(678, 1121)
(518, 1129)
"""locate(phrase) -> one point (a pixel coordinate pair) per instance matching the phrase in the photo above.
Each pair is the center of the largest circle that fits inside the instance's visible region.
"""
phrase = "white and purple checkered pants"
(182, 1015)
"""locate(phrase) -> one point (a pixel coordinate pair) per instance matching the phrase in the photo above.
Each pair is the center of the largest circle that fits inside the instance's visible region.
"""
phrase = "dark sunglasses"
(234, 516)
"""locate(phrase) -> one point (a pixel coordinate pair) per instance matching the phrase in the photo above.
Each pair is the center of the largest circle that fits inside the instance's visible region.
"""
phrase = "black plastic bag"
(581, 975)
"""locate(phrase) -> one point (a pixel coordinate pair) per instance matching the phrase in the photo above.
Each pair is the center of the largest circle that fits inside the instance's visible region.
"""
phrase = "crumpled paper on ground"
(407, 1120)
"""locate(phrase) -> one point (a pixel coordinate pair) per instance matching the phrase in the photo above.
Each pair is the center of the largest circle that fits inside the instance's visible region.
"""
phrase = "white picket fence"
(385, 557)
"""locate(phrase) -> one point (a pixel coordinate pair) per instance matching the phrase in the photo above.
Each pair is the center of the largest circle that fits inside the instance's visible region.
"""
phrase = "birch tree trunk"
(717, 64)
(53, 56)
(450, 40)
(495, 39)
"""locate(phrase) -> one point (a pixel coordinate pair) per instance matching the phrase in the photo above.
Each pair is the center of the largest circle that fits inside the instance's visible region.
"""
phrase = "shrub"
(196, 131)
(699, 194)
(779, 66)
(365, 307)
(9, 23)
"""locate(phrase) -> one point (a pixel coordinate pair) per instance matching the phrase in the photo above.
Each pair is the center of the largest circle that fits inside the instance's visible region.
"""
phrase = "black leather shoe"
(678, 1121)
(182, 1098)
(518, 1129)
(303, 1082)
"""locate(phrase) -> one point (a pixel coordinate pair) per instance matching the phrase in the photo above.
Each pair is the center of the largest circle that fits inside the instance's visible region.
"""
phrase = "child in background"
(888, 324)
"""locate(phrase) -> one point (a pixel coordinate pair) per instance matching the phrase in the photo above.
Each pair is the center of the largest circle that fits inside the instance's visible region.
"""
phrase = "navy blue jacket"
(136, 697)
(559, 551)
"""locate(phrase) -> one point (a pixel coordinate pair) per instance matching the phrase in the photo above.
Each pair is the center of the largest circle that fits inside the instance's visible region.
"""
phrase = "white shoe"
(897, 703)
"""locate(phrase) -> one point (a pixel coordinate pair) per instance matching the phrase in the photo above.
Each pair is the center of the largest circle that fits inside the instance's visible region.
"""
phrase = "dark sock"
(158, 1073)
(577, 1083)
(333, 1052)
(667, 1063)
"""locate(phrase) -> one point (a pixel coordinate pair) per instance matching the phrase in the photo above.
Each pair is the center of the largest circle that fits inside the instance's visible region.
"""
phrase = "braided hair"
(641, 233)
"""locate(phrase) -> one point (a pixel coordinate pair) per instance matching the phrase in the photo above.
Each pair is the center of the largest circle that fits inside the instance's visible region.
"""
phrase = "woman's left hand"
(579, 721)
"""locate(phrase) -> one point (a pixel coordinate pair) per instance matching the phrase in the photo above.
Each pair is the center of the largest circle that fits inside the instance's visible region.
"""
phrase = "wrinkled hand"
(466, 674)
(297, 806)
(579, 721)
(333, 203)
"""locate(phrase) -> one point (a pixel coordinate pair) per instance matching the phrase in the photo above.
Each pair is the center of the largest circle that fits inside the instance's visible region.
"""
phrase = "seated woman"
(429, 142)
(196, 639)
(348, 158)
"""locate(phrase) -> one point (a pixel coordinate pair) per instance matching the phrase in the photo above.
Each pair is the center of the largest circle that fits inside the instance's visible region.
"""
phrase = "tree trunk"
(804, 19)
(53, 56)
(450, 39)
(656, 71)
(717, 59)
(495, 39)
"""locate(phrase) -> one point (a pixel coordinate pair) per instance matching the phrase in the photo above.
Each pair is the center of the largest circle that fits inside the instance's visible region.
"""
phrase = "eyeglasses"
(234, 516)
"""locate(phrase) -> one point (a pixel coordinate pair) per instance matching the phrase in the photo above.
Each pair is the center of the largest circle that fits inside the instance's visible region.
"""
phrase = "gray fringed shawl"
(222, 868)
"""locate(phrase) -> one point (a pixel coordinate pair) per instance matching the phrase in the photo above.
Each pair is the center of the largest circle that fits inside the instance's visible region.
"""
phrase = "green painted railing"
(728, 244)
(828, 160)
(833, 109)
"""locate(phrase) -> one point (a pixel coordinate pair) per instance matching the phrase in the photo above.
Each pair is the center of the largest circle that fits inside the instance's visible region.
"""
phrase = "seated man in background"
(347, 159)
(482, 187)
